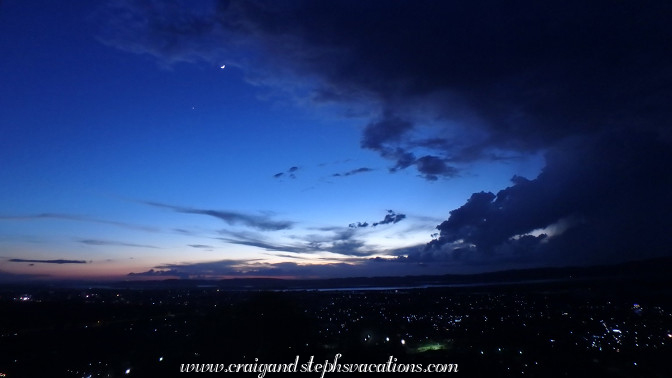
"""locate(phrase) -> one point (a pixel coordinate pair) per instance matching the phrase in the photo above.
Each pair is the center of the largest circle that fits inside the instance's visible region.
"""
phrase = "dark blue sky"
(342, 138)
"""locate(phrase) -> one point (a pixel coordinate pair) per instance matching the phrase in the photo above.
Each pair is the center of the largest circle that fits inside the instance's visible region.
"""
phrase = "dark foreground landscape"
(618, 325)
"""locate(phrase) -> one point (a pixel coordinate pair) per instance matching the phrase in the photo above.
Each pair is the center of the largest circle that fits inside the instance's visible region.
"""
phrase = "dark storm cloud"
(481, 77)
(379, 135)
(566, 65)
(432, 167)
(58, 261)
(352, 172)
(114, 243)
(259, 222)
(76, 218)
(390, 129)
(607, 200)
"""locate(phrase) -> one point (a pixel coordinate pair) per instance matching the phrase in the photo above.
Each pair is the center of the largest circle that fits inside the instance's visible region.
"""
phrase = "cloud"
(288, 256)
(75, 218)
(172, 32)
(57, 261)
(349, 247)
(160, 273)
(269, 246)
(359, 225)
(204, 269)
(390, 217)
(259, 222)
(385, 136)
(597, 200)
(442, 83)
(389, 129)
(353, 172)
(432, 167)
(289, 173)
(201, 246)
(114, 243)
(352, 267)
(244, 268)
(338, 240)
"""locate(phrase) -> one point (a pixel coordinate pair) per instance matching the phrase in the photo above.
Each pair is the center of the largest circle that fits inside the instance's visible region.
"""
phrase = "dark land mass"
(613, 321)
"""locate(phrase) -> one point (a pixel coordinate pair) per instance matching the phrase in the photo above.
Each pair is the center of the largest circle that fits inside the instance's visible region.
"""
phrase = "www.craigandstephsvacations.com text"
(310, 366)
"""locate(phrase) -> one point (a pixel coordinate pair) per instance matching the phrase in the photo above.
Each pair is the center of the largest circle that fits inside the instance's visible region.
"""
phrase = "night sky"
(214, 139)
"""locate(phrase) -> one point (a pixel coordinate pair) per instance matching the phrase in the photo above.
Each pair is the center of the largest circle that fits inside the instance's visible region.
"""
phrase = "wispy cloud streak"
(352, 172)
(115, 243)
(259, 222)
(57, 261)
